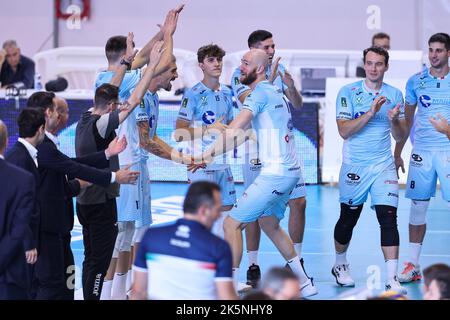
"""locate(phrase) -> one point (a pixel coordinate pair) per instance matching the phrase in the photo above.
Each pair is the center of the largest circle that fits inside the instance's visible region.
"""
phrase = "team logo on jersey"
(425, 100)
(151, 121)
(416, 157)
(359, 114)
(236, 81)
(359, 100)
(290, 125)
(353, 176)
(204, 100)
(209, 117)
(183, 231)
(184, 103)
(344, 102)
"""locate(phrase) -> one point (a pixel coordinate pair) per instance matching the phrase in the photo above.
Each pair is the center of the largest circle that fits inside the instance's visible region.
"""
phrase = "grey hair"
(276, 277)
(9, 43)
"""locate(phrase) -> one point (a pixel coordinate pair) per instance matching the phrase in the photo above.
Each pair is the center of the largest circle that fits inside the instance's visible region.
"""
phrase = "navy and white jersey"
(372, 144)
(202, 106)
(129, 82)
(273, 124)
(183, 261)
(432, 96)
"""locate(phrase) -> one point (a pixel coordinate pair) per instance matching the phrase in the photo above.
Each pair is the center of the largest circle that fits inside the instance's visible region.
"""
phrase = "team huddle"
(182, 260)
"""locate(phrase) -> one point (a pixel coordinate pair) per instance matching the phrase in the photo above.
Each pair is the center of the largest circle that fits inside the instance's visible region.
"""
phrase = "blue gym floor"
(364, 255)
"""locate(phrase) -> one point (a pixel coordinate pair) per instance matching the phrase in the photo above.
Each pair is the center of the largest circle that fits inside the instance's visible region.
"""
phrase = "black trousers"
(51, 267)
(99, 237)
(12, 292)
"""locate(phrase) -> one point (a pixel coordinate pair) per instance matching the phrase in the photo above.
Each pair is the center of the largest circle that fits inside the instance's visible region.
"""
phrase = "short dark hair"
(380, 35)
(377, 50)
(258, 36)
(115, 47)
(442, 38)
(199, 194)
(105, 94)
(210, 50)
(439, 272)
(29, 121)
(42, 100)
(275, 278)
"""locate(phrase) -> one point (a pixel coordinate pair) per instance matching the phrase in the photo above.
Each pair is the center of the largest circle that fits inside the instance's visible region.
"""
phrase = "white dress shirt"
(31, 149)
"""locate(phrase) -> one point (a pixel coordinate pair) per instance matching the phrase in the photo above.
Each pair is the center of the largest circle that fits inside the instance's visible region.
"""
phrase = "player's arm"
(291, 91)
(347, 127)
(166, 34)
(139, 288)
(142, 86)
(120, 71)
(225, 290)
(409, 120)
(231, 138)
(398, 124)
(441, 125)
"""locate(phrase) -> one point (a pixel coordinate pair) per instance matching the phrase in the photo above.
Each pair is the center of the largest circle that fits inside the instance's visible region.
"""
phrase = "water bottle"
(37, 82)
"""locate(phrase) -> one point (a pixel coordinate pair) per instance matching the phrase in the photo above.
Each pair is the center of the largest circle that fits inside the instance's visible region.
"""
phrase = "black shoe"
(253, 275)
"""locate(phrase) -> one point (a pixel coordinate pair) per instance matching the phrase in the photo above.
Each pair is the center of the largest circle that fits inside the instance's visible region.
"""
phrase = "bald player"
(266, 198)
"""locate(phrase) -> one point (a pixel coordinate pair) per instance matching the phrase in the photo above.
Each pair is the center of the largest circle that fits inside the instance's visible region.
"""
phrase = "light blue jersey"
(372, 144)
(239, 88)
(130, 81)
(273, 124)
(202, 106)
(432, 96)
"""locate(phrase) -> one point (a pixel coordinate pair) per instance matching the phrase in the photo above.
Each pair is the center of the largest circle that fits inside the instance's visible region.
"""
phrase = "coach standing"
(16, 208)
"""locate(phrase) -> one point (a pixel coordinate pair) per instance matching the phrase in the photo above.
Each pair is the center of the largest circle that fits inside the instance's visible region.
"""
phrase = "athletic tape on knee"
(418, 212)
(387, 218)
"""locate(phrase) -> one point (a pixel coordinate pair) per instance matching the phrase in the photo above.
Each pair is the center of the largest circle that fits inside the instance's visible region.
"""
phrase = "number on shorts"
(412, 184)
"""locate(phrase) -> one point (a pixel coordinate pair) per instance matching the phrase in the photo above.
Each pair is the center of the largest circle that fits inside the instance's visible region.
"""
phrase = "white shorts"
(139, 233)
(124, 238)
(223, 177)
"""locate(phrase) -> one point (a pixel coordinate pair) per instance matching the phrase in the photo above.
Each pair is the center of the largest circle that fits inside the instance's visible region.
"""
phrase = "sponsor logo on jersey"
(184, 103)
(390, 182)
(359, 114)
(278, 106)
(183, 231)
(255, 162)
(425, 100)
(416, 157)
(344, 102)
(390, 194)
(290, 125)
(236, 81)
(209, 117)
(353, 176)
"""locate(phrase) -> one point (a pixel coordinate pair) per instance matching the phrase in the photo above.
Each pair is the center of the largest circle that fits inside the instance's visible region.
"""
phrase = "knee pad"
(347, 221)
(418, 212)
(387, 218)
(124, 237)
(139, 233)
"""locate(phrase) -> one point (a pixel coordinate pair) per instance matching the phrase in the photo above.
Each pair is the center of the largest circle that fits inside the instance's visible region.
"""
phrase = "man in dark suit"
(56, 169)
(23, 154)
(16, 208)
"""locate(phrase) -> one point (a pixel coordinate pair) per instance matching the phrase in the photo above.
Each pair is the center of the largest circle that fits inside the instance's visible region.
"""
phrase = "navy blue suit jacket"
(20, 157)
(17, 200)
(55, 168)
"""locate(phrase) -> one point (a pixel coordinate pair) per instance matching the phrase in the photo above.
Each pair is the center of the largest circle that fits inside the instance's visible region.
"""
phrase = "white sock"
(129, 281)
(235, 278)
(252, 257)
(296, 267)
(298, 249)
(414, 252)
(106, 290)
(119, 287)
(341, 258)
(391, 266)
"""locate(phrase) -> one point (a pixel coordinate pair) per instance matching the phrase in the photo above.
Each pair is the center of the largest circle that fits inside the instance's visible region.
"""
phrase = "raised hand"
(274, 71)
(440, 124)
(116, 146)
(130, 52)
(377, 104)
(170, 24)
(394, 113)
(156, 53)
(287, 79)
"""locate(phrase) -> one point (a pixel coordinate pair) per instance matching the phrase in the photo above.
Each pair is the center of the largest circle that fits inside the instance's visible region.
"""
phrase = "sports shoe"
(303, 267)
(410, 273)
(342, 274)
(253, 275)
(308, 289)
(243, 287)
(394, 285)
